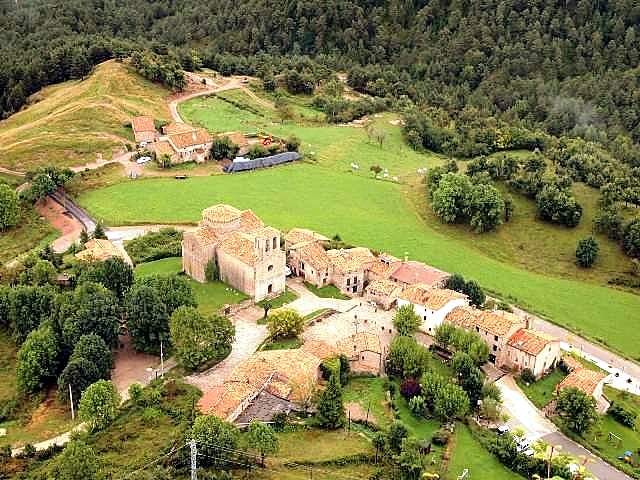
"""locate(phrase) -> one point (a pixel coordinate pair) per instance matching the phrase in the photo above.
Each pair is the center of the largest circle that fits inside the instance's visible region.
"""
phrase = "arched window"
(270, 268)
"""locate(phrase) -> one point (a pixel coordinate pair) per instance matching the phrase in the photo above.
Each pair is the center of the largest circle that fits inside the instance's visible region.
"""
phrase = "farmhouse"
(534, 350)
(246, 252)
(383, 293)
(281, 380)
(350, 268)
(364, 351)
(383, 267)
(190, 146)
(588, 381)
(411, 272)
(144, 129)
(99, 250)
(431, 304)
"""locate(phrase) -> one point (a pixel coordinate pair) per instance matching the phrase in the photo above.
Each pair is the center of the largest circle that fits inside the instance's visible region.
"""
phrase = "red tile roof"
(143, 123)
(530, 341)
(416, 272)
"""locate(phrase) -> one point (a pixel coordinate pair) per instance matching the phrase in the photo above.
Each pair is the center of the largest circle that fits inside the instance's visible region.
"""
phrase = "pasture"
(374, 213)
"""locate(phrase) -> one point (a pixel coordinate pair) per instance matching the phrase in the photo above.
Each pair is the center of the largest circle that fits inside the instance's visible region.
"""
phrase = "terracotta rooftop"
(571, 363)
(221, 213)
(98, 249)
(350, 260)
(432, 298)
(463, 317)
(530, 341)
(499, 322)
(316, 256)
(175, 128)
(143, 123)
(416, 272)
(383, 287)
(250, 220)
(319, 349)
(188, 139)
(384, 266)
(583, 379)
(303, 235)
(241, 246)
(162, 147)
(359, 342)
(205, 236)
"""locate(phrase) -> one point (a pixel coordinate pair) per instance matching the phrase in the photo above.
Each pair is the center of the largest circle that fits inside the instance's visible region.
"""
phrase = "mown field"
(373, 213)
(211, 296)
(69, 123)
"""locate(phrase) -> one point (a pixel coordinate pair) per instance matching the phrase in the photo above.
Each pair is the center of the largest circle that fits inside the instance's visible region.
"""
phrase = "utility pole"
(161, 360)
(194, 459)
(73, 413)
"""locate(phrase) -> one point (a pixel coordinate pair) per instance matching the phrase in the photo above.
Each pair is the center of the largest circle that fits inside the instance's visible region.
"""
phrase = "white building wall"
(432, 319)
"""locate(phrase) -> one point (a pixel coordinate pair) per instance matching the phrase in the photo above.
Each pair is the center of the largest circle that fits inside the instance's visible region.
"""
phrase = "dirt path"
(11, 172)
(232, 83)
(68, 226)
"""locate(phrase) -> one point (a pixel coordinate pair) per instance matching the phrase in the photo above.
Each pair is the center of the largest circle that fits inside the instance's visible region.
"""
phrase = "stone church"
(247, 252)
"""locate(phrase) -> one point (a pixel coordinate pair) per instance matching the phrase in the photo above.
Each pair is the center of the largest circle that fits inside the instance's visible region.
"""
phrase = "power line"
(153, 462)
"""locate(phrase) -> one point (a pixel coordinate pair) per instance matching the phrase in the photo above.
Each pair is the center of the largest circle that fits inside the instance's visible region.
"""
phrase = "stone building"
(350, 268)
(534, 350)
(247, 253)
(431, 304)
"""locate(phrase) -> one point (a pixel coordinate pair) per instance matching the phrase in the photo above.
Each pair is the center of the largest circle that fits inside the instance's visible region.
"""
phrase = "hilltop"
(68, 124)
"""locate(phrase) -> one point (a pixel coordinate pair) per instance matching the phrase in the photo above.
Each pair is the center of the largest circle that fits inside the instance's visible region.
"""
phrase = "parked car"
(143, 160)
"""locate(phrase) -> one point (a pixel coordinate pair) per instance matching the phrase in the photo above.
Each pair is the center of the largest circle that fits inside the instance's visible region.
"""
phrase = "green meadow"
(374, 213)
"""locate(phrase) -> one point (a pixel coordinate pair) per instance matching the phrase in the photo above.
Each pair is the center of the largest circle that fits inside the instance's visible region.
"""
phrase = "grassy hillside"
(377, 214)
(33, 231)
(67, 124)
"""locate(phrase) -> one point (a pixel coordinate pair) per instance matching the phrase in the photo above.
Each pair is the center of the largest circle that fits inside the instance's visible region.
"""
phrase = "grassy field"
(373, 213)
(284, 298)
(282, 343)
(328, 291)
(469, 454)
(69, 123)
(369, 392)
(542, 391)
(211, 296)
(32, 232)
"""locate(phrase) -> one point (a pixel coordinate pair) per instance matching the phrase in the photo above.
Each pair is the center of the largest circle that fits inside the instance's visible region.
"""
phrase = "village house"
(182, 143)
(534, 350)
(144, 129)
(247, 253)
(364, 351)
(495, 328)
(307, 257)
(99, 250)
(411, 272)
(383, 267)
(431, 304)
(266, 383)
(383, 293)
(589, 381)
(350, 268)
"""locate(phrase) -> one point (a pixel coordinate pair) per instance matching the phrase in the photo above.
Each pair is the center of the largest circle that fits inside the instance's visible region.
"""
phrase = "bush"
(222, 148)
(441, 437)
(99, 404)
(211, 271)
(631, 239)
(527, 376)
(136, 393)
(417, 405)
(155, 245)
(292, 144)
(406, 321)
(622, 415)
(409, 388)
(285, 323)
(587, 252)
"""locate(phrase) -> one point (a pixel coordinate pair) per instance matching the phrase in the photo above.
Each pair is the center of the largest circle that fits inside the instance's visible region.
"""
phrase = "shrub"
(409, 388)
(587, 252)
(406, 321)
(99, 404)
(631, 239)
(136, 393)
(622, 415)
(167, 242)
(527, 376)
(222, 148)
(417, 405)
(211, 271)
(285, 323)
(441, 437)
(292, 144)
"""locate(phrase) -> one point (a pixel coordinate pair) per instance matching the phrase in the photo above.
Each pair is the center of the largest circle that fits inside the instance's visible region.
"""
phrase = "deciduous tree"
(99, 404)
(262, 438)
(285, 323)
(587, 252)
(577, 409)
(37, 362)
(406, 321)
(9, 208)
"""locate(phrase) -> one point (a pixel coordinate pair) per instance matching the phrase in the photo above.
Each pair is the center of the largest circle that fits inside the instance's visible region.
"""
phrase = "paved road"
(75, 211)
(249, 336)
(523, 414)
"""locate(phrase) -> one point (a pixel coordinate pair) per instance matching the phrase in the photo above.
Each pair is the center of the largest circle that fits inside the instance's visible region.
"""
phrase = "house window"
(270, 288)
(495, 348)
(301, 265)
(270, 268)
(348, 282)
(425, 318)
(275, 243)
(495, 338)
